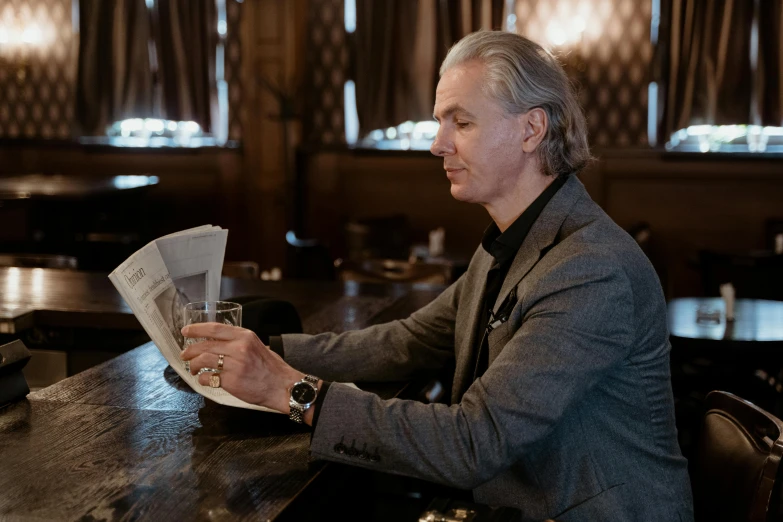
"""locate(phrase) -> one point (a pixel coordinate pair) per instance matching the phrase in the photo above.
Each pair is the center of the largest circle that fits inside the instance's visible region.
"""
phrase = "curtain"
(140, 63)
(186, 41)
(114, 79)
(399, 46)
(769, 79)
(724, 63)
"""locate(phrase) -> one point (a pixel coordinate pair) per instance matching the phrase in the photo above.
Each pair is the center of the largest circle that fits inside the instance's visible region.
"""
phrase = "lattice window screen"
(327, 63)
(42, 105)
(616, 50)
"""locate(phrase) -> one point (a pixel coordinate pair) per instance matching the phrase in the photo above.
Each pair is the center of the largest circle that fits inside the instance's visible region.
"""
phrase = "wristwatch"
(303, 394)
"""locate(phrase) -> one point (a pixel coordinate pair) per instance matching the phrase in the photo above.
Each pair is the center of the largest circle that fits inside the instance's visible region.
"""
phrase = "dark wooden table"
(58, 298)
(91, 218)
(58, 186)
(128, 440)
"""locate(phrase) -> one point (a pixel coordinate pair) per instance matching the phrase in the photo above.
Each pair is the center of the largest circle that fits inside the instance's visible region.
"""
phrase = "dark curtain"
(134, 63)
(114, 79)
(713, 76)
(185, 34)
(399, 46)
(770, 70)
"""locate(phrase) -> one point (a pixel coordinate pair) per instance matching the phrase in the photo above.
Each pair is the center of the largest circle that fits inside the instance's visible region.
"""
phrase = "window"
(720, 84)
(165, 98)
(406, 135)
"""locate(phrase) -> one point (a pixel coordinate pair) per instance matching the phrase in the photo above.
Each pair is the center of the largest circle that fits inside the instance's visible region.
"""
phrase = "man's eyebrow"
(451, 109)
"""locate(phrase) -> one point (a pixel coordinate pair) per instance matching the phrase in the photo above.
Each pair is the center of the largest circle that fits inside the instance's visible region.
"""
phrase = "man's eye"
(463, 124)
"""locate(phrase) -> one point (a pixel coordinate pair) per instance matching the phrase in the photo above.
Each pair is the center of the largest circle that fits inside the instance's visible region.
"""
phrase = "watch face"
(303, 393)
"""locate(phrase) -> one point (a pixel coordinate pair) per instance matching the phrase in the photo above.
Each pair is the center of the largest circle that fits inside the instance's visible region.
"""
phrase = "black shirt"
(504, 247)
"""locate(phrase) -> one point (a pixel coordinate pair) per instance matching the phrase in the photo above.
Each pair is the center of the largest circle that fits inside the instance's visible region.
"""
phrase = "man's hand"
(251, 371)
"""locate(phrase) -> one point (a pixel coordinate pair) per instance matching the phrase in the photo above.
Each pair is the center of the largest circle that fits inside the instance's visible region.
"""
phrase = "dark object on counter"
(13, 386)
(450, 510)
(266, 316)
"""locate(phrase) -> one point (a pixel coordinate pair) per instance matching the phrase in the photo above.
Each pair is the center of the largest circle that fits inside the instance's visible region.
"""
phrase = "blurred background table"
(758, 323)
(95, 221)
(743, 356)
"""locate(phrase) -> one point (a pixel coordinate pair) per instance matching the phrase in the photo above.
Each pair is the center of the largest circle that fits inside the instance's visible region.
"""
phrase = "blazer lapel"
(466, 349)
(541, 236)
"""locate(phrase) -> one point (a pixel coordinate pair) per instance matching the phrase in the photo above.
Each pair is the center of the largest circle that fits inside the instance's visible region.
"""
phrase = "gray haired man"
(561, 403)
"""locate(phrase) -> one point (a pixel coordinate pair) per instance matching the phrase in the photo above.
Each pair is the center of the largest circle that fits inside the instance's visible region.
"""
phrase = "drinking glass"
(708, 314)
(211, 312)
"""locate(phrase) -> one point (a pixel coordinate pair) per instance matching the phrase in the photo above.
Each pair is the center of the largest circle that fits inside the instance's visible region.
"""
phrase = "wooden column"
(273, 40)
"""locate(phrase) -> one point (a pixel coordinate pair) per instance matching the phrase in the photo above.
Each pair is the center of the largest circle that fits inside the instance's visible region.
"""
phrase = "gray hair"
(522, 76)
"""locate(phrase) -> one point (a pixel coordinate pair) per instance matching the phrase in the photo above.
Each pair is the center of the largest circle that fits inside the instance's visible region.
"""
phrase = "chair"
(736, 475)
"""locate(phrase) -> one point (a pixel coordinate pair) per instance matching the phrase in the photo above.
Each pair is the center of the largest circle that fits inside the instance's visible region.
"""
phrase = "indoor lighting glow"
(38, 283)
(129, 182)
(350, 16)
(32, 35)
(12, 285)
(556, 34)
(727, 138)
(351, 115)
(192, 127)
(3, 35)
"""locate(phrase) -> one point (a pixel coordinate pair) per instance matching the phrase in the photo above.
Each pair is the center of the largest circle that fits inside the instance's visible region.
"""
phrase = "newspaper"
(161, 278)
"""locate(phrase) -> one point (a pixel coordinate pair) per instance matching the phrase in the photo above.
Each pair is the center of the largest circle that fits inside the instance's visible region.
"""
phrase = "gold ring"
(220, 363)
(214, 380)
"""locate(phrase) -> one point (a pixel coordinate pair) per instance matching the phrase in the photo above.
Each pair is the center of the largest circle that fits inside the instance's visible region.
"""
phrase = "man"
(561, 402)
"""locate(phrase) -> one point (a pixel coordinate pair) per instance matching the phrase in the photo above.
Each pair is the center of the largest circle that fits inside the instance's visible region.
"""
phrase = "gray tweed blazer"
(574, 418)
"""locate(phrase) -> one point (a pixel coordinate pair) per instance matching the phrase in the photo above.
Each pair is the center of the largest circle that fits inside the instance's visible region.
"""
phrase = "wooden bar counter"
(127, 440)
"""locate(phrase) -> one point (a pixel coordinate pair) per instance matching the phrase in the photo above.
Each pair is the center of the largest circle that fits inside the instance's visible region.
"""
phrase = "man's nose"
(443, 145)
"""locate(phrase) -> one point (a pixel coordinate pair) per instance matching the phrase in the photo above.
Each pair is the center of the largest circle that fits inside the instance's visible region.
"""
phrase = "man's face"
(481, 144)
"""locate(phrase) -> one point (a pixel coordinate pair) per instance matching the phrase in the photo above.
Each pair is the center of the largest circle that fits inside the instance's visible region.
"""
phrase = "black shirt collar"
(503, 247)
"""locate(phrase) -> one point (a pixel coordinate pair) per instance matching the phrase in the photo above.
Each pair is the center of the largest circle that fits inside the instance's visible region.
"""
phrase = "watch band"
(296, 414)
(296, 410)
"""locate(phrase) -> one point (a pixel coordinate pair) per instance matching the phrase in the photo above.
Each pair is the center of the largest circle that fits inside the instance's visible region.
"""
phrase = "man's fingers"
(208, 346)
(210, 360)
(219, 331)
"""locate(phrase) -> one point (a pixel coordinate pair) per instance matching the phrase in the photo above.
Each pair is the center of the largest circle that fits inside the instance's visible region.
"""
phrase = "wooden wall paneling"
(273, 32)
(346, 186)
(690, 203)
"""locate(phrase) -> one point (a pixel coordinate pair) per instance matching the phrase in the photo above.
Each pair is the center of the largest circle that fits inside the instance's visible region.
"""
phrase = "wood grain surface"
(127, 440)
(61, 298)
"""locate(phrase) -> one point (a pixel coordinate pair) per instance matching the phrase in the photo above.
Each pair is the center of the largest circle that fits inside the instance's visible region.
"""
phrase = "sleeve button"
(352, 451)
(375, 457)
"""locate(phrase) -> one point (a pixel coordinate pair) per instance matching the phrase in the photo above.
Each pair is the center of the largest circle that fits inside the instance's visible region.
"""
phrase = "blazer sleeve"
(576, 330)
(385, 352)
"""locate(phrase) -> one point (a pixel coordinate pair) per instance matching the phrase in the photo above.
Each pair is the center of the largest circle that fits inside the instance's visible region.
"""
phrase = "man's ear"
(535, 124)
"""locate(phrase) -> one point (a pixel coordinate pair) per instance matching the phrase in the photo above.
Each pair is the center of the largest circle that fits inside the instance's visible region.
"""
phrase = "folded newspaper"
(161, 278)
